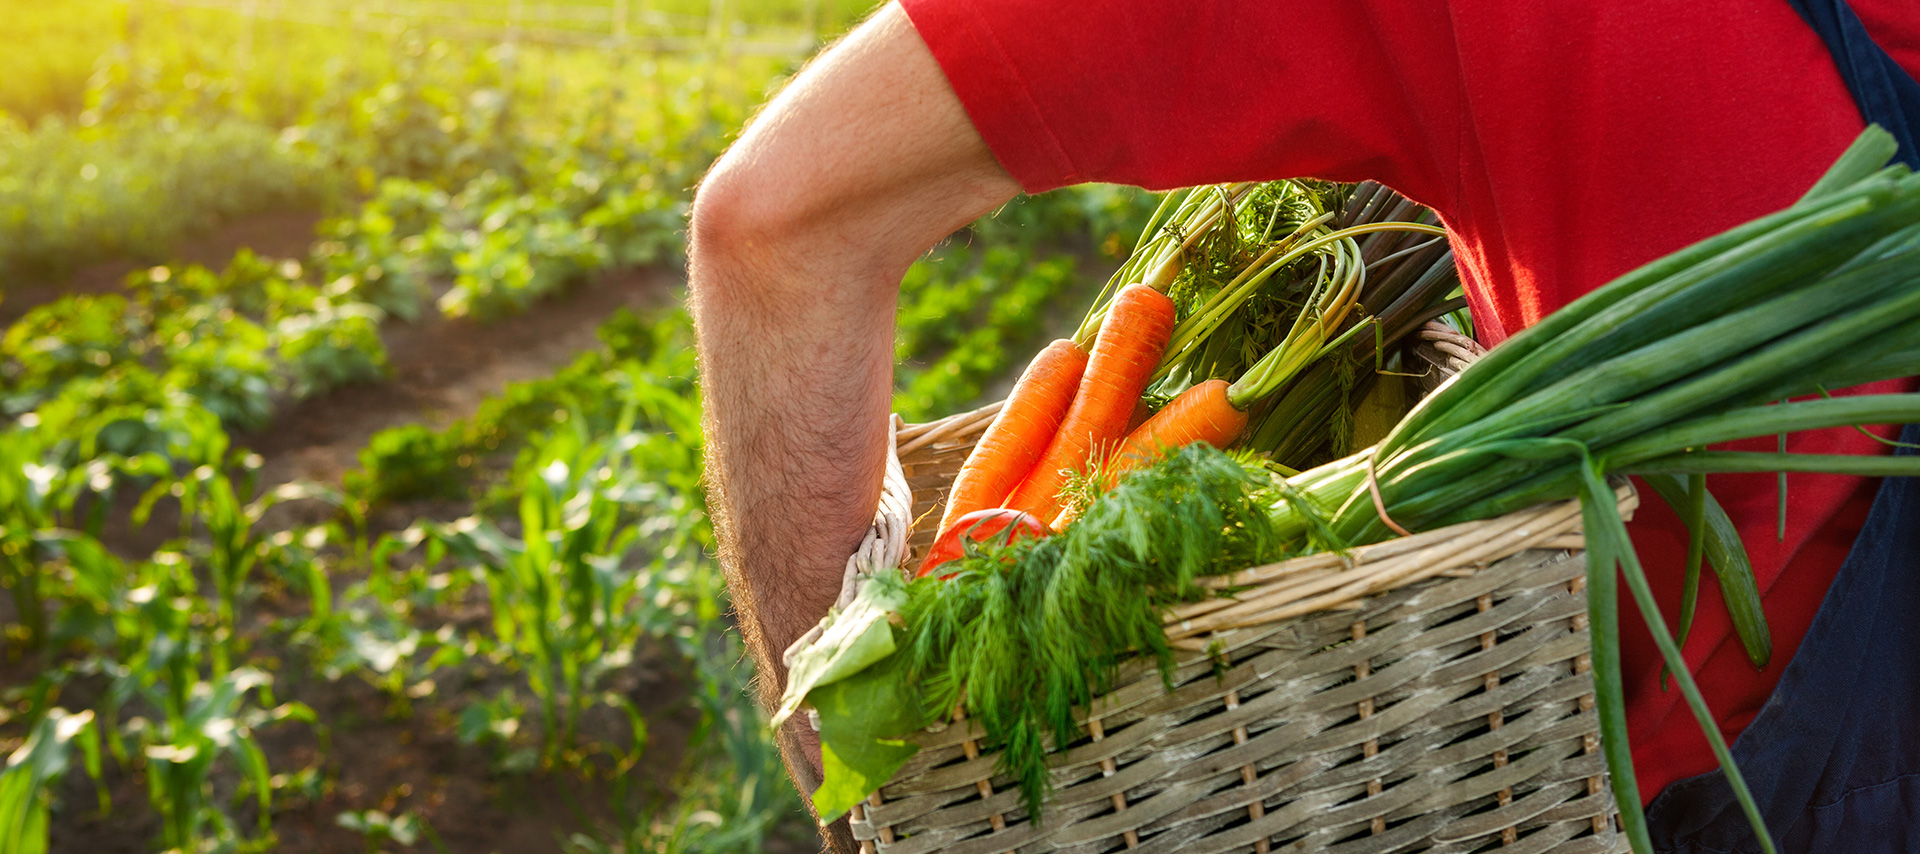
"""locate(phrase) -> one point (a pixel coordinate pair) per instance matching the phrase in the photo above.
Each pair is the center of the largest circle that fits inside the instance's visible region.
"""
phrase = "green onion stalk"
(1640, 376)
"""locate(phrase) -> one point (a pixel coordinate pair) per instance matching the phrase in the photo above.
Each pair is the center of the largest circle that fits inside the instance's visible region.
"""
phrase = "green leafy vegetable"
(1025, 633)
(854, 638)
(856, 759)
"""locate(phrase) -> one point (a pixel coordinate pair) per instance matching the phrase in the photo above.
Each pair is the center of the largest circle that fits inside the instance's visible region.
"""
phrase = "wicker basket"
(1429, 694)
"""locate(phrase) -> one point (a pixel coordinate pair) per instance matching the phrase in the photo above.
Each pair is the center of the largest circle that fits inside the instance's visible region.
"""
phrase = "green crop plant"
(166, 645)
(381, 253)
(220, 511)
(43, 555)
(378, 828)
(63, 341)
(501, 271)
(407, 462)
(60, 470)
(373, 632)
(566, 598)
(185, 339)
(31, 772)
(374, 640)
(733, 796)
(331, 345)
(221, 359)
(196, 720)
(25, 516)
(502, 239)
(557, 593)
(639, 223)
(493, 723)
(754, 797)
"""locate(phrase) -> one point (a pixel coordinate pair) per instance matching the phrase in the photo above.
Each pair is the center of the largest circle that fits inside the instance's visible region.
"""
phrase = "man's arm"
(799, 238)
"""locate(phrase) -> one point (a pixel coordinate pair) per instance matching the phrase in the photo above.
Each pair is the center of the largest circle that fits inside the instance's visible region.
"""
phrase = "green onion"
(1640, 374)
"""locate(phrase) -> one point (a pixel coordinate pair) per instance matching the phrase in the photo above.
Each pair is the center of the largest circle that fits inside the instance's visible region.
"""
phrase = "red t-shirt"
(1562, 143)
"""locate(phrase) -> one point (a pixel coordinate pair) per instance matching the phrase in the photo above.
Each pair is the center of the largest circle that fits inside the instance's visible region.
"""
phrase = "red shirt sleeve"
(1174, 94)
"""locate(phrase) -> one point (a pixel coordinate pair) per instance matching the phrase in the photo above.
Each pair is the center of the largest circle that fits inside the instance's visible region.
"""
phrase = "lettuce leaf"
(856, 757)
(854, 639)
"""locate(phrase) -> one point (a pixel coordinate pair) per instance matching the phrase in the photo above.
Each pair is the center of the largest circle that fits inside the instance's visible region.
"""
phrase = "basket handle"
(885, 546)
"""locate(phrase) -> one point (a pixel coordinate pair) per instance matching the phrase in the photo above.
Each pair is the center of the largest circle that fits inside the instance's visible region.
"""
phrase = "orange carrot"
(1132, 336)
(1202, 413)
(1011, 445)
(1141, 412)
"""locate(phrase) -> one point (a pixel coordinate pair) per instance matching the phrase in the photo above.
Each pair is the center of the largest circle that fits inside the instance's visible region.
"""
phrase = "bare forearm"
(797, 391)
(799, 238)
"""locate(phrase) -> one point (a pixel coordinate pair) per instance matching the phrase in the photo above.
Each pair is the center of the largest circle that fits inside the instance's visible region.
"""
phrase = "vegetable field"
(349, 429)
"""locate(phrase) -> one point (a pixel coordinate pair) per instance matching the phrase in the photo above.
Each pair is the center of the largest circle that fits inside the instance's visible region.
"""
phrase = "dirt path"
(285, 234)
(443, 369)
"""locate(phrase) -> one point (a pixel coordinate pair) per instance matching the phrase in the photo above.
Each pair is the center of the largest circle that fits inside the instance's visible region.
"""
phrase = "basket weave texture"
(1427, 694)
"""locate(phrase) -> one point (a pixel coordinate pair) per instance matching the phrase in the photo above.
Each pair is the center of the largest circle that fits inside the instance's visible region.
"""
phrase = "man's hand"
(799, 237)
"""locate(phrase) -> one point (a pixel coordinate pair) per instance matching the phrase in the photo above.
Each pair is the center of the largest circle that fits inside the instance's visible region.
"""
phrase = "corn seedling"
(219, 515)
(195, 720)
(27, 781)
(43, 558)
(379, 828)
(564, 598)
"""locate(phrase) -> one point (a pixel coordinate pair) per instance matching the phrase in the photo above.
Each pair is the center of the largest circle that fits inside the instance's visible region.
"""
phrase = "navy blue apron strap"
(1833, 757)
(1886, 93)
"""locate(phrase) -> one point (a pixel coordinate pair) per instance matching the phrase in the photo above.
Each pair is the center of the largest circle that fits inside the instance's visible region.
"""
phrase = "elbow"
(723, 221)
(751, 203)
(722, 229)
(759, 239)
(737, 229)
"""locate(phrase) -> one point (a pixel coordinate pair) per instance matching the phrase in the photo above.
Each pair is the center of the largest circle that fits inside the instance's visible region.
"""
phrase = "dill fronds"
(1026, 633)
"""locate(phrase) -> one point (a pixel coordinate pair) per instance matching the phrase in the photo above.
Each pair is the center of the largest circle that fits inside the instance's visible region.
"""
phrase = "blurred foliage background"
(243, 241)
